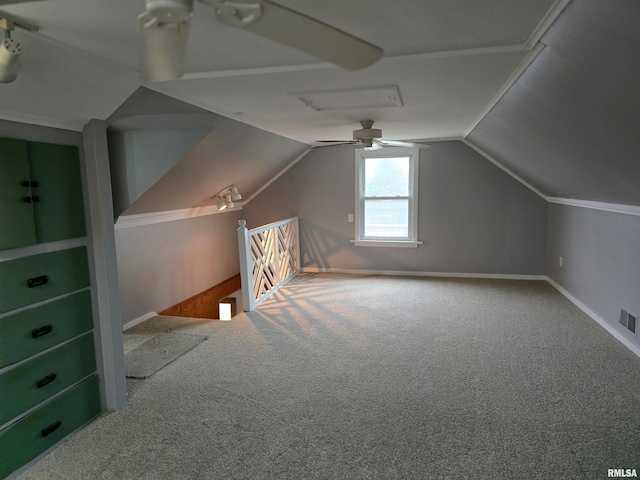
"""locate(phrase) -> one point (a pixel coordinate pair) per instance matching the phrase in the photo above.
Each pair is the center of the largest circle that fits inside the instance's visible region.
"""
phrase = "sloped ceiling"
(448, 59)
(570, 125)
(567, 127)
(233, 153)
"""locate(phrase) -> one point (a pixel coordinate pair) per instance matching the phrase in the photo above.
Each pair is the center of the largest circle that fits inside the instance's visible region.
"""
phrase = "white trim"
(139, 320)
(606, 207)
(399, 273)
(414, 174)
(40, 248)
(106, 294)
(513, 78)
(502, 167)
(42, 121)
(278, 175)
(140, 219)
(603, 323)
(552, 14)
(247, 72)
(271, 225)
(385, 243)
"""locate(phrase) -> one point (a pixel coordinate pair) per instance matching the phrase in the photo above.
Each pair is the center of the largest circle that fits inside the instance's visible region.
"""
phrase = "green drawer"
(31, 279)
(35, 433)
(32, 331)
(32, 382)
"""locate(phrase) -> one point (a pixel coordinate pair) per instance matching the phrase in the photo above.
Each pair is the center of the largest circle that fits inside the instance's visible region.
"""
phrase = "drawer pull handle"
(51, 428)
(37, 281)
(35, 198)
(46, 380)
(39, 332)
(27, 183)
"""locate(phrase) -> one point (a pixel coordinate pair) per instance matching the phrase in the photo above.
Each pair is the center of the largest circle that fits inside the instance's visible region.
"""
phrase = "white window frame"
(414, 160)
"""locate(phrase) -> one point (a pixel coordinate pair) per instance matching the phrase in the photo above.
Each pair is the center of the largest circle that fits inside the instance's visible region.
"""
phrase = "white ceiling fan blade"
(330, 143)
(398, 143)
(299, 31)
(165, 26)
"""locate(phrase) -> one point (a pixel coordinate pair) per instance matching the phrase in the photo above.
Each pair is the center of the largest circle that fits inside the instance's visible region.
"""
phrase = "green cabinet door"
(32, 435)
(17, 226)
(59, 209)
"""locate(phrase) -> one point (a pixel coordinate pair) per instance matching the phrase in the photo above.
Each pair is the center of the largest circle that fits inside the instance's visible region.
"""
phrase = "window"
(387, 197)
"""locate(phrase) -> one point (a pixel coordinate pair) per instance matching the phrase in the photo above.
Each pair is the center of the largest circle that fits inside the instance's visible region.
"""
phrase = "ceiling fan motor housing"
(367, 134)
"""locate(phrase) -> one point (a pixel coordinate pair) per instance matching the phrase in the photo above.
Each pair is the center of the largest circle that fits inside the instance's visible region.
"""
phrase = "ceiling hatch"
(351, 99)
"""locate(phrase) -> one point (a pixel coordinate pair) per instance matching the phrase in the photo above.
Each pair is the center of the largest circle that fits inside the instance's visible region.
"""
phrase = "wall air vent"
(629, 320)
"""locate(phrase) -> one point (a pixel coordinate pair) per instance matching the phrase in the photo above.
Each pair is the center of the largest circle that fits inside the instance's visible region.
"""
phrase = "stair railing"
(269, 258)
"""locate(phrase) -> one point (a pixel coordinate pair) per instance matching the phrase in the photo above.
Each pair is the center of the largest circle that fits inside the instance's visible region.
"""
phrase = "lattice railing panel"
(269, 257)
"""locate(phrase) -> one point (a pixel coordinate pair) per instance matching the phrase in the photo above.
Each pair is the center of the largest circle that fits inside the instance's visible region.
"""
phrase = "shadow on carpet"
(158, 352)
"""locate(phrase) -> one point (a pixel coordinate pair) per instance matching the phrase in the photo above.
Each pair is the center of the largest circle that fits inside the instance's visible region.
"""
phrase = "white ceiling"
(448, 58)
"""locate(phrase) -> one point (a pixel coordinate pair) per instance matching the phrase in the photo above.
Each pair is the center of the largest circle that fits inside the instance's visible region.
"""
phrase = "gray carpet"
(158, 352)
(344, 377)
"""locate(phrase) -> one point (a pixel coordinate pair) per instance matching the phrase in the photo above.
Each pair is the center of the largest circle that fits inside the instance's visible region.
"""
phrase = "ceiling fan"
(165, 25)
(369, 138)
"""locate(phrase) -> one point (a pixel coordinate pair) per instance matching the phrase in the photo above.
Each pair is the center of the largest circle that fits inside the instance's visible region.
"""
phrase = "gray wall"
(600, 260)
(162, 264)
(473, 217)
(140, 158)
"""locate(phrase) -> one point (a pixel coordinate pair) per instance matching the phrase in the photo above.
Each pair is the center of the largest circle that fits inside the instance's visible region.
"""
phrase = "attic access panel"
(351, 99)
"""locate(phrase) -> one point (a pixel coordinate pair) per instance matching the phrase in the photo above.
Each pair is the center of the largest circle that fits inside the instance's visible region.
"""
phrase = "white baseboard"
(602, 322)
(399, 273)
(138, 320)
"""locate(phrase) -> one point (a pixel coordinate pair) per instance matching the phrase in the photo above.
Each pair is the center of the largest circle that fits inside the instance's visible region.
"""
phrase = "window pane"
(386, 218)
(386, 177)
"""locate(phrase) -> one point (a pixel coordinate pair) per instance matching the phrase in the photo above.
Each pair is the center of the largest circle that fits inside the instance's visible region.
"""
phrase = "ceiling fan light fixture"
(165, 25)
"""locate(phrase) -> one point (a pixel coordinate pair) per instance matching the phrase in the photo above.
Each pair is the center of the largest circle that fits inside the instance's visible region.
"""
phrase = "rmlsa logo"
(623, 472)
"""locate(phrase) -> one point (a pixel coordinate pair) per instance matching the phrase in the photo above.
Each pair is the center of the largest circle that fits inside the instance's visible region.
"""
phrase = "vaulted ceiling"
(547, 89)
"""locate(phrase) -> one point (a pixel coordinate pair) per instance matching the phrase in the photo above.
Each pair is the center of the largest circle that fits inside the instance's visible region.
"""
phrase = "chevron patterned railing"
(269, 258)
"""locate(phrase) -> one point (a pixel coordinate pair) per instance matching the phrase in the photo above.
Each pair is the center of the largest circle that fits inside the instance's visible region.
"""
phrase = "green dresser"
(48, 382)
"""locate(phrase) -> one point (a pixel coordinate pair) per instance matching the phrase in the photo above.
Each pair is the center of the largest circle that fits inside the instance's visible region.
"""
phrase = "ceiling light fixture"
(226, 197)
(10, 51)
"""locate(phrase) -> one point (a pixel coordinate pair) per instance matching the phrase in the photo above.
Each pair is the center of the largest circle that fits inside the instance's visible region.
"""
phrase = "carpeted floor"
(345, 377)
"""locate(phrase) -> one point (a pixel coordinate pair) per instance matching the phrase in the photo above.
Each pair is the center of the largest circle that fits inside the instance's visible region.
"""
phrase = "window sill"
(387, 243)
